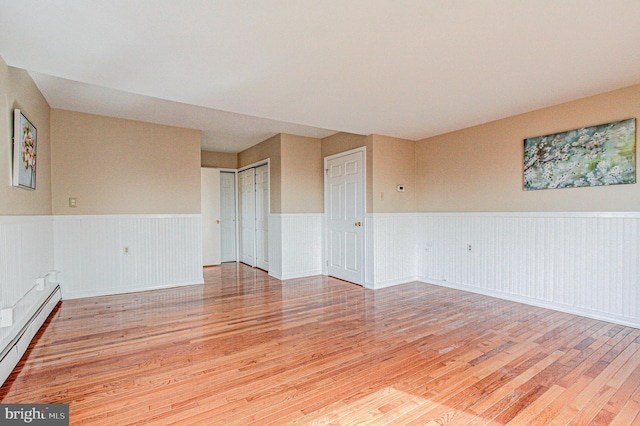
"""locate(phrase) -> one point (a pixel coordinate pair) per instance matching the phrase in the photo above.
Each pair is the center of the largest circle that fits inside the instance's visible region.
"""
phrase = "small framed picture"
(25, 143)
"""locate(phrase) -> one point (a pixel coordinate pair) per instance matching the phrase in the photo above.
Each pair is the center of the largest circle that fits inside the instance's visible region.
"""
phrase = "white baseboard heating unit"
(20, 323)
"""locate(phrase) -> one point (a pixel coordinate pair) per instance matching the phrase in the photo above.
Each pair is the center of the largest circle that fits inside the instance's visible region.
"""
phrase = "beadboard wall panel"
(391, 249)
(109, 254)
(26, 253)
(582, 263)
(275, 246)
(297, 245)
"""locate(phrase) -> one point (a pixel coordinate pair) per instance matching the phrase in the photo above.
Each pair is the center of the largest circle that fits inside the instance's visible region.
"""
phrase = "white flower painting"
(24, 152)
(591, 156)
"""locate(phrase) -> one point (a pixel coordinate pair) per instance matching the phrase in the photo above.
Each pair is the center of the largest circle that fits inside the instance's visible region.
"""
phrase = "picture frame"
(25, 144)
(590, 156)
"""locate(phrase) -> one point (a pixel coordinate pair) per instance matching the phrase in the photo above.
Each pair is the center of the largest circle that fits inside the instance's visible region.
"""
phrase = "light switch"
(73, 202)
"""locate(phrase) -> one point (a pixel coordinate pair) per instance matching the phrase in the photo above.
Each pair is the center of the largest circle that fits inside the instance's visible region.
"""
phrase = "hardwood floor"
(248, 349)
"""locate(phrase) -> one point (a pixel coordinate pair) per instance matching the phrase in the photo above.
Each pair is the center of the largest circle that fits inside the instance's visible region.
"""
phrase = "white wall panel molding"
(26, 257)
(391, 249)
(582, 263)
(109, 254)
(26, 253)
(275, 245)
(299, 236)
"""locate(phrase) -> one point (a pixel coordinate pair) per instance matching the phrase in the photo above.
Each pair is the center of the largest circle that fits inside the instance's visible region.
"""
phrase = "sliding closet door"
(262, 217)
(247, 219)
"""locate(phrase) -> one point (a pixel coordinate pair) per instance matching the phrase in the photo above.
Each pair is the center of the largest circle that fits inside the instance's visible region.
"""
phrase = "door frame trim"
(325, 221)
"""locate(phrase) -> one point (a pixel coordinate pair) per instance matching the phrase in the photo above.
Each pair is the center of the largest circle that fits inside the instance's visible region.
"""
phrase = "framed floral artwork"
(25, 143)
(591, 156)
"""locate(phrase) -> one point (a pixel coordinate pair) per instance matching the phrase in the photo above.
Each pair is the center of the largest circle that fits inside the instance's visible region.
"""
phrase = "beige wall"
(17, 90)
(389, 162)
(268, 149)
(480, 168)
(115, 166)
(341, 142)
(295, 172)
(393, 164)
(221, 160)
(302, 175)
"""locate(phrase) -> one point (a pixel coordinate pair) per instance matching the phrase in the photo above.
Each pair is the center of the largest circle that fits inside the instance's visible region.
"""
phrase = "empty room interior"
(302, 212)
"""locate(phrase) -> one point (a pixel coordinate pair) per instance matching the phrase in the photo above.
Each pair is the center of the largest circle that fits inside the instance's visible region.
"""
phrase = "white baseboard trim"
(133, 289)
(511, 297)
(391, 283)
(534, 302)
(302, 274)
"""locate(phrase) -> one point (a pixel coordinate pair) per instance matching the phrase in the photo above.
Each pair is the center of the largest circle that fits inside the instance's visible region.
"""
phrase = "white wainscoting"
(583, 263)
(295, 245)
(163, 251)
(275, 246)
(391, 252)
(26, 254)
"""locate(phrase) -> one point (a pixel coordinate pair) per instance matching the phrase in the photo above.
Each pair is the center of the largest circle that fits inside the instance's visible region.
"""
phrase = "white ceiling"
(242, 71)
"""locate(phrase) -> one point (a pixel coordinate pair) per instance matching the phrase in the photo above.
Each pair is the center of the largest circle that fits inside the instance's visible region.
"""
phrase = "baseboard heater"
(18, 336)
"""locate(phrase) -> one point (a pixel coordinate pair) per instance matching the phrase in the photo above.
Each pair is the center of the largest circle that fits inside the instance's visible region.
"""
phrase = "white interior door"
(344, 200)
(210, 208)
(262, 217)
(247, 219)
(228, 216)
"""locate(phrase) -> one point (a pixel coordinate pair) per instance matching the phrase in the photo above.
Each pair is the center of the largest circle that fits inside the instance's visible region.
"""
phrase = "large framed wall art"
(25, 143)
(590, 156)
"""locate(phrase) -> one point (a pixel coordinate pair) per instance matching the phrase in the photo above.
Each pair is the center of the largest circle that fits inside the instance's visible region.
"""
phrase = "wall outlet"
(126, 250)
(469, 248)
(73, 202)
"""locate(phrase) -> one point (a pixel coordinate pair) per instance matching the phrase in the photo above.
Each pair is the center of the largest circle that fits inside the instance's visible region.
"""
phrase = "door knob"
(358, 223)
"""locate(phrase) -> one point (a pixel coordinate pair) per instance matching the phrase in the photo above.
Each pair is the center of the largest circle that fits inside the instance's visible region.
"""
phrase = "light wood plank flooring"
(248, 349)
